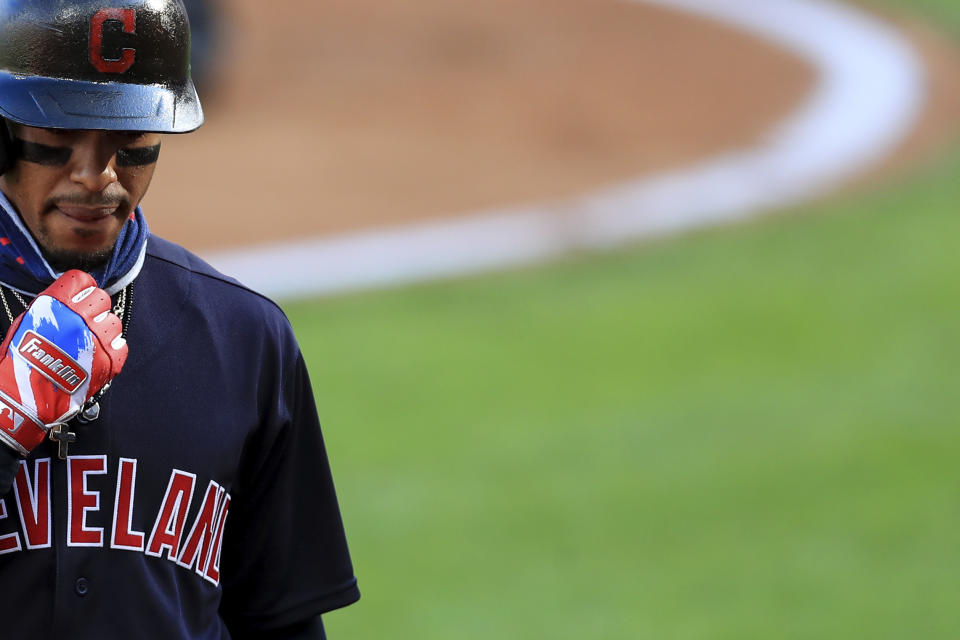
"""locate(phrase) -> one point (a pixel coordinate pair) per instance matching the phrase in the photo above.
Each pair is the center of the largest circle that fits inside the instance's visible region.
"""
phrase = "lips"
(86, 214)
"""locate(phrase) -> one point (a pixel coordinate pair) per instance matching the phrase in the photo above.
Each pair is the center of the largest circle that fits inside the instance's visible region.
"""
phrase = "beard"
(63, 259)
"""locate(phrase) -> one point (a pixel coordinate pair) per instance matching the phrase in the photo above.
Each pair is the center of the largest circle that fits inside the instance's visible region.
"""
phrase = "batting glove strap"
(19, 428)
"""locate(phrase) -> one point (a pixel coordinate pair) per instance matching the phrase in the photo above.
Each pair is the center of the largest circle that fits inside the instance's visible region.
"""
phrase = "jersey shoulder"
(183, 282)
(167, 256)
(173, 255)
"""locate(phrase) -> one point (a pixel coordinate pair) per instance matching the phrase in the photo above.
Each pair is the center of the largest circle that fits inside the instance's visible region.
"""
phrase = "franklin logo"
(51, 361)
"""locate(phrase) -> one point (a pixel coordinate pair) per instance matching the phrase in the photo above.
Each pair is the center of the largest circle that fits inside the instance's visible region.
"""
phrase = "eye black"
(138, 156)
(42, 154)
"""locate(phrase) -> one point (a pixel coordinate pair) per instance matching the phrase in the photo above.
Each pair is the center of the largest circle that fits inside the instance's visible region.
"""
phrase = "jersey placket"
(82, 502)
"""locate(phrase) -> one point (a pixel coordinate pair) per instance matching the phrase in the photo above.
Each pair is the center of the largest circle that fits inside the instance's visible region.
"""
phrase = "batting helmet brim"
(56, 103)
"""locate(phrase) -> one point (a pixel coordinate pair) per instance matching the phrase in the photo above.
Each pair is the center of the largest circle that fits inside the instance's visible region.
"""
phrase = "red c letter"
(127, 17)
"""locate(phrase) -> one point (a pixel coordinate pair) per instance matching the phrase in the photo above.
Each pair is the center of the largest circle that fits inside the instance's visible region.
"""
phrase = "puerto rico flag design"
(51, 354)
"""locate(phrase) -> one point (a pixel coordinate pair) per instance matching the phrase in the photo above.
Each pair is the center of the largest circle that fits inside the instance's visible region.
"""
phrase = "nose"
(92, 164)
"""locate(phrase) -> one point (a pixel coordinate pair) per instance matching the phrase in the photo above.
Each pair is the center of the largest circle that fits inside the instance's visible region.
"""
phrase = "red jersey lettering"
(11, 541)
(80, 501)
(212, 572)
(124, 537)
(168, 528)
(200, 539)
(33, 503)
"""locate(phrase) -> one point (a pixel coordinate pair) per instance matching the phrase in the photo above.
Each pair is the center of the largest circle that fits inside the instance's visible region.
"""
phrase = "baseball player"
(162, 470)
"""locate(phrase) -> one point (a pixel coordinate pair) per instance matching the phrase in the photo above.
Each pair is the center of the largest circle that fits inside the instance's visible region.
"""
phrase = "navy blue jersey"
(201, 497)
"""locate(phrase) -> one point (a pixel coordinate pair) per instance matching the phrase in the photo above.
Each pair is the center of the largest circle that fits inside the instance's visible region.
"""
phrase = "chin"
(66, 259)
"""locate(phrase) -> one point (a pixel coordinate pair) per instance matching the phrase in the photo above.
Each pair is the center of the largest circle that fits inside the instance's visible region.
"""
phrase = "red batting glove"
(59, 353)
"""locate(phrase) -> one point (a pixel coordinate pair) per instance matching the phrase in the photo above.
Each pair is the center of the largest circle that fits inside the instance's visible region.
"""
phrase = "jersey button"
(81, 586)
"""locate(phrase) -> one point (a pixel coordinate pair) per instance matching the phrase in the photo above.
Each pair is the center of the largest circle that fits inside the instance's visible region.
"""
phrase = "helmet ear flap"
(7, 149)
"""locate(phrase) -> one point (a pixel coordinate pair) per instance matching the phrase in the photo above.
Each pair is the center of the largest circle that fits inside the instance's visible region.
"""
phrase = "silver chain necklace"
(118, 309)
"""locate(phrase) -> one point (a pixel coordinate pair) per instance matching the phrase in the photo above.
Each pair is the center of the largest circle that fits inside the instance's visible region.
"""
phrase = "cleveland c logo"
(126, 17)
(51, 362)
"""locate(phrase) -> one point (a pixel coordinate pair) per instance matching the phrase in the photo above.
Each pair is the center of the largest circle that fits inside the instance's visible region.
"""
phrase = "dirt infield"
(333, 116)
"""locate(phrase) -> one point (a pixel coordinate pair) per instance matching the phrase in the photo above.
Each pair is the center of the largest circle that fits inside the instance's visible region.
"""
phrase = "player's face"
(74, 190)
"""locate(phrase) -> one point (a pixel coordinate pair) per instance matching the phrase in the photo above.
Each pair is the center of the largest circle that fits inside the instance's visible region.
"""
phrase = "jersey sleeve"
(285, 556)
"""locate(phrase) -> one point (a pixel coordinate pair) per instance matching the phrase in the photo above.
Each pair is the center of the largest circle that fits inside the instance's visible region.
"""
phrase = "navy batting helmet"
(120, 65)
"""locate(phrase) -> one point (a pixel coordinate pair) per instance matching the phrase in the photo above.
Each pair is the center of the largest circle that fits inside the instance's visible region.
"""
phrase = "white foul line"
(868, 95)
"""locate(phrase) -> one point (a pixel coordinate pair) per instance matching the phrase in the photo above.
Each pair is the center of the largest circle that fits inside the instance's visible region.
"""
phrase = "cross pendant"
(63, 437)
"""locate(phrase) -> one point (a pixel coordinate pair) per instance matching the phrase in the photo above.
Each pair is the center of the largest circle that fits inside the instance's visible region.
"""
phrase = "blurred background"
(739, 432)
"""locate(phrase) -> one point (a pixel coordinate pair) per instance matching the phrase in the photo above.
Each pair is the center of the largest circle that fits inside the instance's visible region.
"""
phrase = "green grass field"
(747, 432)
